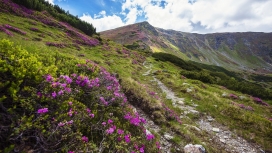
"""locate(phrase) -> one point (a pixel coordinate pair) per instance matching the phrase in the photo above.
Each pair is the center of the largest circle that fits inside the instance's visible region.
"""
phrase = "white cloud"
(212, 15)
(131, 17)
(50, 1)
(102, 21)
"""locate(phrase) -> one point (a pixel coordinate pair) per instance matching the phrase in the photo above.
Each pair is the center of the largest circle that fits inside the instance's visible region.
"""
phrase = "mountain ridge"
(248, 51)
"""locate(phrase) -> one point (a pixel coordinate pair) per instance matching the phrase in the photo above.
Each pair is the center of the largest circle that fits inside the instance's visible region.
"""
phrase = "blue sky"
(200, 16)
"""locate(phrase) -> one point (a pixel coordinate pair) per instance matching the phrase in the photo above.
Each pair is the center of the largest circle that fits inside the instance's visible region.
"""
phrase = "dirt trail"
(218, 134)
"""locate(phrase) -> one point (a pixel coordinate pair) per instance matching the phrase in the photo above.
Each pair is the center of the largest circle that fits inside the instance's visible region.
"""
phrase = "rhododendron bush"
(46, 109)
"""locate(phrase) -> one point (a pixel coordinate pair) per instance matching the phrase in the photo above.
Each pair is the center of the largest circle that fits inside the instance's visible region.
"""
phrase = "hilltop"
(66, 89)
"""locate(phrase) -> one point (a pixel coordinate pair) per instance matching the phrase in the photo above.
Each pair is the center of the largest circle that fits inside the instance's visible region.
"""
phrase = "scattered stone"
(195, 105)
(189, 90)
(210, 119)
(242, 97)
(215, 130)
(222, 140)
(194, 149)
(224, 94)
(180, 102)
(194, 111)
(168, 136)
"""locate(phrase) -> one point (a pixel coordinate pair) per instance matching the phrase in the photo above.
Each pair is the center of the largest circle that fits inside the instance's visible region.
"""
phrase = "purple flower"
(42, 110)
(127, 116)
(150, 136)
(158, 145)
(70, 103)
(84, 139)
(104, 123)
(60, 92)
(127, 138)
(88, 110)
(71, 152)
(70, 122)
(61, 124)
(109, 87)
(110, 130)
(142, 149)
(70, 113)
(49, 78)
(119, 131)
(39, 94)
(68, 90)
(54, 94)
(91, 115)
(110, 121)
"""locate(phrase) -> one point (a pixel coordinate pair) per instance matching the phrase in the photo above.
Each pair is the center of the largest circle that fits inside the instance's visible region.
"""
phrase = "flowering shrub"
(14, 29)
(5, 31)
(233, 96)
(259, 101)
(80, 111)
(249, 108)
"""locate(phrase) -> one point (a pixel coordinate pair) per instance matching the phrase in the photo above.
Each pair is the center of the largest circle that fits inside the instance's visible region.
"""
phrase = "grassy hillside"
(64, 91)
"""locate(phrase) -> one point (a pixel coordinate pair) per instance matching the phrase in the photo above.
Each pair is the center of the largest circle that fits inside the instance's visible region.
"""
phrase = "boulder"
(194, 148)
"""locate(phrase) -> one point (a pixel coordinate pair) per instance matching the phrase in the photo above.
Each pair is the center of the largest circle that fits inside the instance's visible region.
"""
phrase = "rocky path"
(218, 134)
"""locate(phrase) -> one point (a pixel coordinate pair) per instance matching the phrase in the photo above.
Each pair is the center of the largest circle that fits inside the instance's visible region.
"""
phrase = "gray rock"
(189, 90)
(194, 148)
(222, 140)
(180, 102)
(224, 94)
(215, 130)
(168, 136)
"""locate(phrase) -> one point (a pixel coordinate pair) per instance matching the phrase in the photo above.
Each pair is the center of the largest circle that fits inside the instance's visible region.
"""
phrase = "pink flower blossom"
(61, 124)
(104, 123)
(150, 136)
(119, 131)
(158, 145)
(110, 130)
(70, 122)
(84, 139)
(127, 138)
(70, 103)
(49, 78)
(71, 152)
(110, 121)
(42, 110)
(91, 115)
(141, 149)
(54, 94)
(88, 110)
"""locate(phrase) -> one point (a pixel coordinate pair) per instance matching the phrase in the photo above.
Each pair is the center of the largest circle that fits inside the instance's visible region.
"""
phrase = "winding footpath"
(218, 134)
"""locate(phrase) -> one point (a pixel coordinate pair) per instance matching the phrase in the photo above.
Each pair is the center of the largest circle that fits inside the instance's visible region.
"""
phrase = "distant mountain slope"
(250, 51)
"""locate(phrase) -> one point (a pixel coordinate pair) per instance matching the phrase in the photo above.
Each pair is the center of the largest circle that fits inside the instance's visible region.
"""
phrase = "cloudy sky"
(201, 16)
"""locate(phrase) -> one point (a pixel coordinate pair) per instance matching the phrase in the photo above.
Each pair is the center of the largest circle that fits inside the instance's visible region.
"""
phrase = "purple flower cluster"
(59, 45)
(14, 29)
(85, 139)
(42, 111)
(233, 96)
(249, 108)
(6, 31)
(79, 37)
(19, 10)
(134, 119)
(260, 101)
(34, 29)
